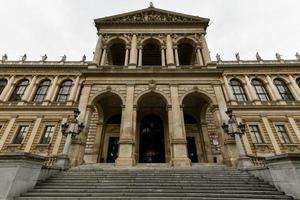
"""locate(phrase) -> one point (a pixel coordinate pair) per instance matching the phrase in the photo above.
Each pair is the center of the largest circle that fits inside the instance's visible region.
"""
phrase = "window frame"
(17, 132)
(283, 90)
(44, 133)
(238, 90)
(61, 94)
(18, 97)
(40, 94)
(279, 133)
(259, 132)
(2, 85)
(260, 90)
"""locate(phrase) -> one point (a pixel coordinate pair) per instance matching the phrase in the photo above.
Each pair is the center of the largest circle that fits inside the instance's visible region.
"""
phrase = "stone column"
(59, 137)
(245, 141)
(180, 154)
(10, 89)
(126, 56)
(73, 91)
(51, 90)
(33, 133)
(140, 57)
(103, 58)
(176, 55)
(163, 60)
(205, 50)
(273, 89)
(8, 86)
(26, 97)
(251, 89)
(170, 56)
(295, 85)
(271, 135)
(199, 56)
(133, 52)
(7, 131)
(228, 90)
(98, 51)
(126, 154)
(294, 126)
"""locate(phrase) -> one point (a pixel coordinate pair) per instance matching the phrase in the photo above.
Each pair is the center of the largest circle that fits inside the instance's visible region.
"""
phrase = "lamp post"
(237, 130)
(70, 131)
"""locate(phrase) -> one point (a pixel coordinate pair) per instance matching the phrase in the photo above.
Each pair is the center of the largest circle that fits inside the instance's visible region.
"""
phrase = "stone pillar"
(133, 52)
(126, 56)
(98, 51)
(26, 97)
(10, 89)
(295, 85)
(33, 133)
(59, 137)
(247, 92)
(205, 50)
(271, 135)
(251, 89)
(126, 154)
(273, 89)
(51, 91)
(176, 55)
(103, 57)
(163, 60)
(246, 143)
(170, 56)
(178, 142)
(73, 91)
(4, 94)
(7, 131)
(294, 126)
(140, 57)
(228, 90)
(199, 56)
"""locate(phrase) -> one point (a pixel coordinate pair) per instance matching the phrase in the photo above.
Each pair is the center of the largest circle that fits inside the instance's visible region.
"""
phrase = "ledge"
(21, 156)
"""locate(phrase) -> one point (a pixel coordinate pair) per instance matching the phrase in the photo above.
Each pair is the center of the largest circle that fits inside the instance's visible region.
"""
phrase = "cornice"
(37, 108)
(265, 107)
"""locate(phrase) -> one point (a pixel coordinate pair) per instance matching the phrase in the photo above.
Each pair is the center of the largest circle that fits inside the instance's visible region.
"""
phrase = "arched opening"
(108, 129)
(199, 128)
(151, 53)
(116, 53)
(186, 53)
(152, 130)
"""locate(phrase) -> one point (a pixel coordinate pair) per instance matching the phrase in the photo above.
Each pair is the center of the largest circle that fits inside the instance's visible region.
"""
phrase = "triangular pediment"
(151, 15)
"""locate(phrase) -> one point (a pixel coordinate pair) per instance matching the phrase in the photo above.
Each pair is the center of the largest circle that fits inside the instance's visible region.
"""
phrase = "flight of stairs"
(198, 182)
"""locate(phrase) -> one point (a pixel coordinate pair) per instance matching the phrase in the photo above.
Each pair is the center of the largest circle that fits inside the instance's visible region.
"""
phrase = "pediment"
(151, 15)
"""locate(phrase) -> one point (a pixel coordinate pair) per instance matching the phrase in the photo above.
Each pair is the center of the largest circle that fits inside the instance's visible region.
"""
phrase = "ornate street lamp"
(237, 130)
(71, 130)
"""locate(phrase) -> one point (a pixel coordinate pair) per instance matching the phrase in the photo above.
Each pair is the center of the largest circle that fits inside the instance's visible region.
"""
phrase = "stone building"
(152, 94)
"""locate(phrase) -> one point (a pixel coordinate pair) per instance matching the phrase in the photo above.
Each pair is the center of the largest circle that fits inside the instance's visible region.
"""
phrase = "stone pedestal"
(19, 173)
(63, 162)
(244, 162)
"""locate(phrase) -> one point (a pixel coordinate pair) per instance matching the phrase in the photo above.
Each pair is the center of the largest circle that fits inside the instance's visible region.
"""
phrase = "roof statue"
(4, 57)
(63, 58)
(237, 56)
(83, 58)
(44, 58)
(258, 57)
(278, 57)
(218, 58)
(151, 5)
(297, 55)
(24, 57)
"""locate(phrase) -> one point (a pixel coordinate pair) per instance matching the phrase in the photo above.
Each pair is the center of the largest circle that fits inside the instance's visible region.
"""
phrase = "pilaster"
(97, 53)
(271, 135)
(133, 52)
(4, 94)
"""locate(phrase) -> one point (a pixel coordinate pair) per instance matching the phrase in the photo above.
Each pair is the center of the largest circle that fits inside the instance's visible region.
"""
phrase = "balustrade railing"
(50, 161)
(258, 161)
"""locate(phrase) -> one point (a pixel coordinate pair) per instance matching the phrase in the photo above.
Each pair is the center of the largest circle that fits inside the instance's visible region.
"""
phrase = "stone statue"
(258, 58)
(151, 5)
(83, 58)
(297, 56)
(237, 56)
(278, 56)
(4, 57)
(44, 58)
(24, 57)
(63, 58)
(218, 58)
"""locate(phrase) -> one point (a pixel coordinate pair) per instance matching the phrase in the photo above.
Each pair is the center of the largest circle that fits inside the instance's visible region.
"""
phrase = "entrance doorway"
(192, 150)
(113, 147)
(152, 146)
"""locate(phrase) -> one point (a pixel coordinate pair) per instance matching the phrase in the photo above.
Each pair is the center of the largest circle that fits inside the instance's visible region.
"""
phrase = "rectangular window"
(255, 134)
(21, 134)
(48, 134)
(281, 130)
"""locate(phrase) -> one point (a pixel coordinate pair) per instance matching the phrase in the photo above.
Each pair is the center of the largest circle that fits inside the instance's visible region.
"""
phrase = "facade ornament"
(4, 57)
(108, 88)
(83, 58)
(258, 57)
(297, 55)
(218, 58)
(23, 58)
(44, 58)
(152, 85)
(63, 58)
(237, 56)
(278, 57)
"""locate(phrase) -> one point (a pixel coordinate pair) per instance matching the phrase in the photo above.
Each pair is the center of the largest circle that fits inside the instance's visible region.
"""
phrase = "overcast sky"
(58, 27)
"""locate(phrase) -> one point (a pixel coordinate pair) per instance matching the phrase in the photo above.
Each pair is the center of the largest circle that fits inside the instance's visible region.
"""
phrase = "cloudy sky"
(58, 27)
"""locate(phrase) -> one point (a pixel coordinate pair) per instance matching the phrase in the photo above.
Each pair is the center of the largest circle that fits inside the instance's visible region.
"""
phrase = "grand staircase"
(206, 181)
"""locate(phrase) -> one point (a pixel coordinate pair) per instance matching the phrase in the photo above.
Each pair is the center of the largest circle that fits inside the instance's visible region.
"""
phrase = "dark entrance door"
(152, 149)
(113, 147)
(192, 151)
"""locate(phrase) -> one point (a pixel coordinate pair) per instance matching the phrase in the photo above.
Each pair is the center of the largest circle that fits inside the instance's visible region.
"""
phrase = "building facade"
(150, 95)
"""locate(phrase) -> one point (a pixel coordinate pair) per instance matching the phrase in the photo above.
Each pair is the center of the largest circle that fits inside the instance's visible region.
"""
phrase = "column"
(51, 90)
(103, 59)
(126, 56)
(205, 50)
(251, 89)
(178, 142)
(59, 137)
(73, 91)
(294, 126)
(126, 154)
(133, 52)
(7, 131)
(97, 53)
(199, 56)
(176, 56)
(228, 90)
(33, 133)
(273, 89)
(26, 97)
(245, 141)
(163, 60)
(247, 91)
(170, 56)
(271, 135)
(8, 87)
(140, 57)
(294, 88)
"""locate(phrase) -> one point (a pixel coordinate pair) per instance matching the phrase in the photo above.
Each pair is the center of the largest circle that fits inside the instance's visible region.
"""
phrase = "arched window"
(283, 90)
(116, 54)
(19, 90)
(260, 90)
(238, 90)
(64, 91)
(298, 82)
(3, 83)
(186, 53)
(151, 53)
(42, 91)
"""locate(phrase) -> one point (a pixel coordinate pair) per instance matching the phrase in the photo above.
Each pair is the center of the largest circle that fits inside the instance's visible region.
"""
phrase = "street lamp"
(237, 130)
(71, 130)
